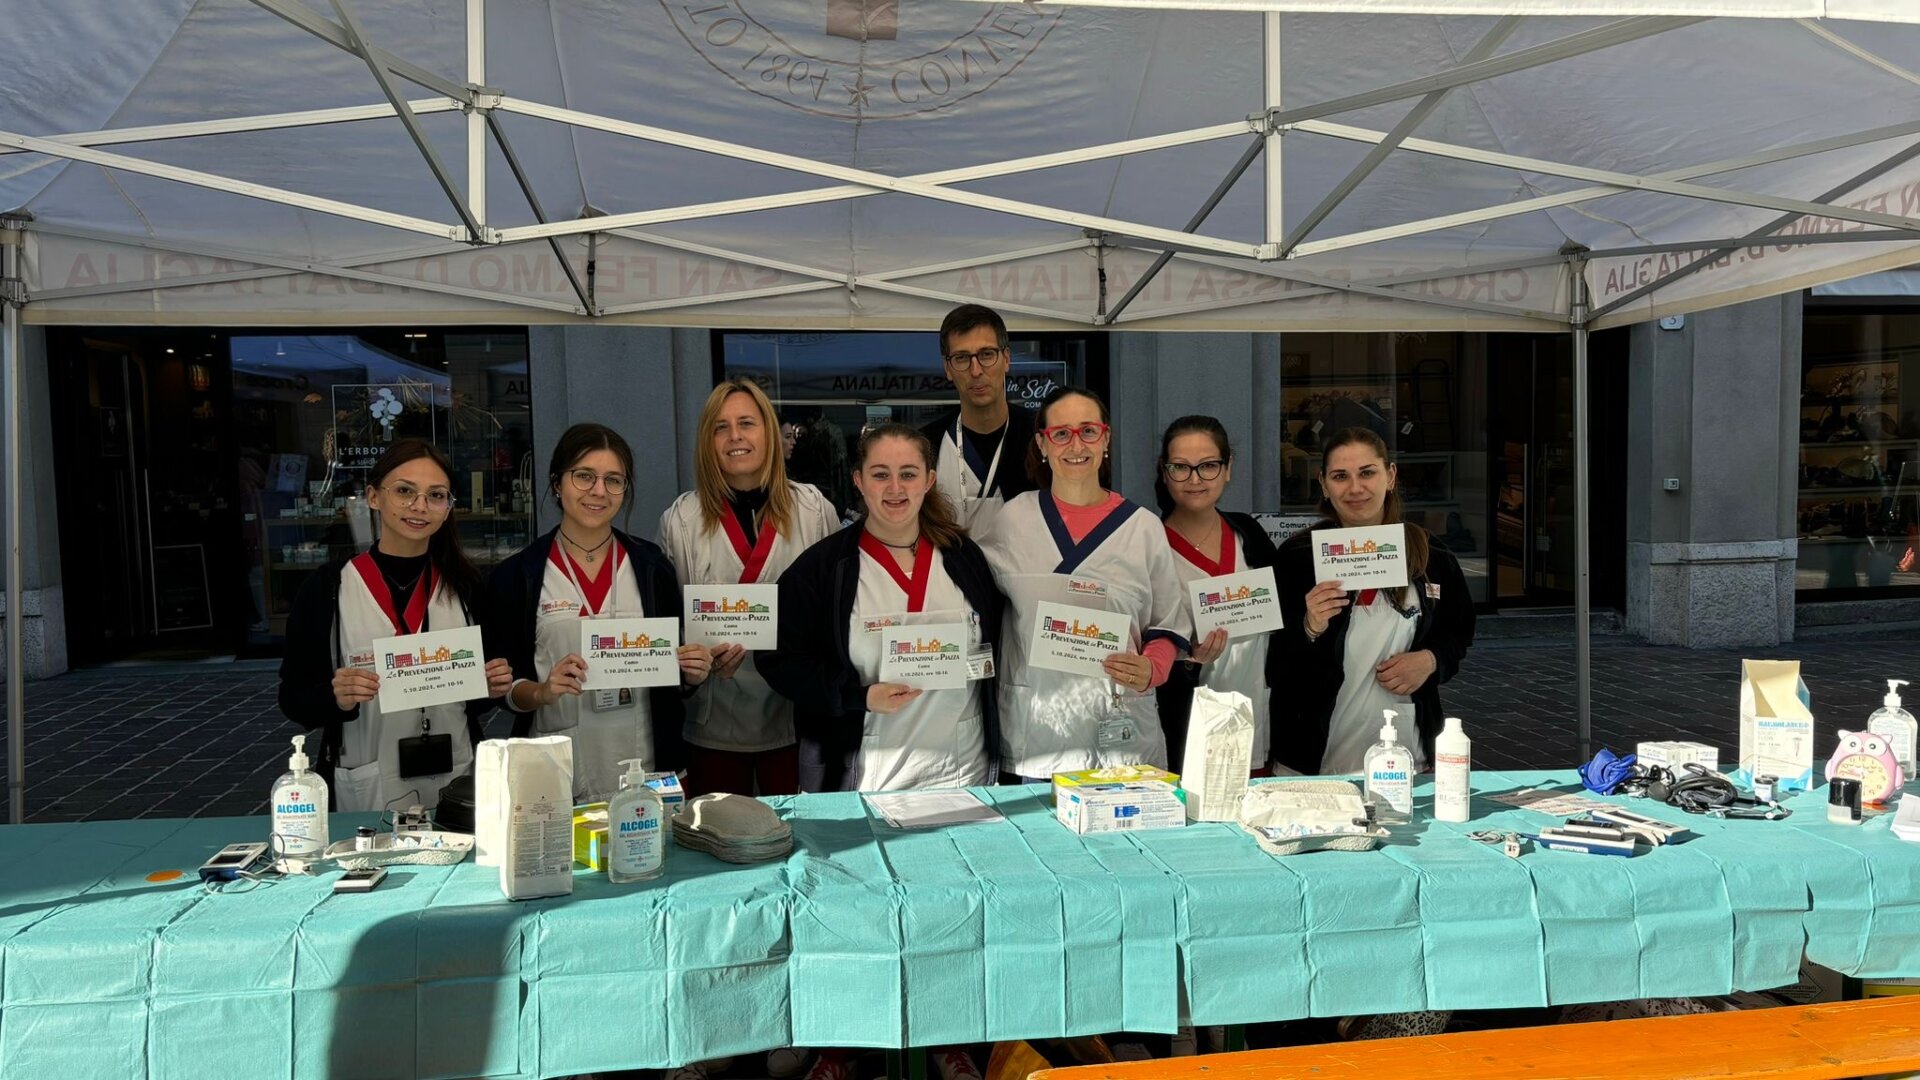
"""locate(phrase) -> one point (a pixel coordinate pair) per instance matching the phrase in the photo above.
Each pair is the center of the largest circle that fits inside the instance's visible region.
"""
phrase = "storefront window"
(1859, 473)
(828, 388)
(1424, 395)
(314, 412)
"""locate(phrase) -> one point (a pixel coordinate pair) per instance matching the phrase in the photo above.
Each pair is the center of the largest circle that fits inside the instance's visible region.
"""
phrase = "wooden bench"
(1802, 1042)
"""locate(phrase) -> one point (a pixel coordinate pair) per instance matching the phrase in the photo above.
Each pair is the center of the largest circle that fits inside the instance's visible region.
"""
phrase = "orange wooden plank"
(1803, 1042)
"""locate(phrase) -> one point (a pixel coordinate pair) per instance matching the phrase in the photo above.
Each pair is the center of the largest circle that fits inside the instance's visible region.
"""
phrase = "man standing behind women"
(1348, 655)
(979, 455)
(584, 569)
(1073, 541)
(1196, 464)
(907, 563)
(743, 524)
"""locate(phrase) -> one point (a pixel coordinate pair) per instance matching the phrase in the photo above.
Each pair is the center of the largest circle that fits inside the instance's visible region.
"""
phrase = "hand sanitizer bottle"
(299, 807)
(636, 828)
(1390, 769)
(1452, 773)
(1896, 725)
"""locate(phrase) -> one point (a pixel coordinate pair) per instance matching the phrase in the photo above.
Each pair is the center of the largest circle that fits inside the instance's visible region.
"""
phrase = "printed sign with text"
(930, 657)
(436, 668)
(734, 615)
(1076, 640)
(1242, 604)
(1374, 557)
(622, 653)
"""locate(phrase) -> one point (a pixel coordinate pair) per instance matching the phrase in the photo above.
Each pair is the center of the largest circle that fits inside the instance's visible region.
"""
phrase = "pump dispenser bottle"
(1452, 773)
(299, 807)
(1389, 779)
(1896, 725)
(636, 828)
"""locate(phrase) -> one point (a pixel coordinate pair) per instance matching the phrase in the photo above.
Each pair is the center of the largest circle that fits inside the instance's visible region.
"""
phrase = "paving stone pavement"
(208, 740)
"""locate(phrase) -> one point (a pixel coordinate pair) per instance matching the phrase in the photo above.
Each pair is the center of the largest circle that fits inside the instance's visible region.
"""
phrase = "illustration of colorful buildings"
(727, 606)
(1091, 630)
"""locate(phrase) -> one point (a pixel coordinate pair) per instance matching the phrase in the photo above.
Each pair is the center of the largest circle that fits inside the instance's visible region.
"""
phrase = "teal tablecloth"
(867, 936)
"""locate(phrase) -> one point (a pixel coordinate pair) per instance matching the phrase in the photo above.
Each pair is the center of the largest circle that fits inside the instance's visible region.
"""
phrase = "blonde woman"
(743, 523)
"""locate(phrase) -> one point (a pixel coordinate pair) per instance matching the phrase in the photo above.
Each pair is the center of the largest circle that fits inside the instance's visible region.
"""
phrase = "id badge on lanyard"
(1117, 728)
(600, 700)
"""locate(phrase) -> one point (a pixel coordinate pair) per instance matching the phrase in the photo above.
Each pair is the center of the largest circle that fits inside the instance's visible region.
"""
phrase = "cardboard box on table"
(1776, 723)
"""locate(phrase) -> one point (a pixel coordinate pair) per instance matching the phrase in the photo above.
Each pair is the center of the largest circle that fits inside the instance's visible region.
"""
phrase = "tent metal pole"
(1708, 258)
(492, 123)
(1619, 179)
(364, 49)
(1582, 511)
(264, 192)
(1275, 89)
(323, 28)
(1569, 198)
(476, 119)
(1220, 190)
(230, 125)
(1408, 124)
(16, 615)
(864, 177)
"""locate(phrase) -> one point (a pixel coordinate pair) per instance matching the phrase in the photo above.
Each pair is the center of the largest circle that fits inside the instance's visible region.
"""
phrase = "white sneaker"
(954, 1064)
(787, 1062)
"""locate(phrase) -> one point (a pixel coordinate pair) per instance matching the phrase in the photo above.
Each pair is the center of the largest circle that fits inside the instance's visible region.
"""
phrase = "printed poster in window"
(368, 417)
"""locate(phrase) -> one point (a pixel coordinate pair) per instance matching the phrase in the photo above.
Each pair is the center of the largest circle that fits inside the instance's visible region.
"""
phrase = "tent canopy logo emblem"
(865, 59)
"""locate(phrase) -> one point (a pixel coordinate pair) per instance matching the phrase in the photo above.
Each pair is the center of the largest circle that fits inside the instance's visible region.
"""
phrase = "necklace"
(591, 553)
(900, 547)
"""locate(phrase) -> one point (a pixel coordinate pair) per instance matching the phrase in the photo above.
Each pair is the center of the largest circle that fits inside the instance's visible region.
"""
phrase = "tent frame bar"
(326, 30)
(361, 47)
(233, 125)
(1239, 169)
(1422, 109)
(492, 123)
(13, 298)
(1273, 96)
(1582, 511)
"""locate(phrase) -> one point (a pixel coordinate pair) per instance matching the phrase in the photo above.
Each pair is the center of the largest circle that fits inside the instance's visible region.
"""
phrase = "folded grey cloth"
(732, 828)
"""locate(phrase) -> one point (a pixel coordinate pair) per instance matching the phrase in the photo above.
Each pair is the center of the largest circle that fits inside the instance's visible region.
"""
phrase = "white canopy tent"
(1245, 165)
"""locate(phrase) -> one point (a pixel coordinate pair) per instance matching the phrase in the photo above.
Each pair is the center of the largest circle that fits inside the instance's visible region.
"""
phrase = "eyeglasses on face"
(1179, 471)
(438, 499)
(1062, 434)
(987, 358)
(584, 479)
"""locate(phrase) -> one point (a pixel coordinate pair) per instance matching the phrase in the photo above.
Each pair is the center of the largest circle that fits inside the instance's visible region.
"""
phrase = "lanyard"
(590, 605)
(1214, 568)
(916, 586)
(993, 467)
(752, 560)
(416, 614)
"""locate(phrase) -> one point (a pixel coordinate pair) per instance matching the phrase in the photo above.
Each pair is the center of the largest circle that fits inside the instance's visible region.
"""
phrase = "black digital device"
(360, 880)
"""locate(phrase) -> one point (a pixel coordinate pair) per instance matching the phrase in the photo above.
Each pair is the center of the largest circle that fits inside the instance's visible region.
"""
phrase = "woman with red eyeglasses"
(1073, 542)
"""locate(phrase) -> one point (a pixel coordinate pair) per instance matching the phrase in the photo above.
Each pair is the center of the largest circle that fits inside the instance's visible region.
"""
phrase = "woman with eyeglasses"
(587, 569)
(1072, 541)
(743, 523)
(414, 579)
(1195, 466)
(1350, 654)
(980, 455)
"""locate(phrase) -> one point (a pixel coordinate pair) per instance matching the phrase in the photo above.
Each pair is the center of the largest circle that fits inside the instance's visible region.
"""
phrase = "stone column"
(44, 648)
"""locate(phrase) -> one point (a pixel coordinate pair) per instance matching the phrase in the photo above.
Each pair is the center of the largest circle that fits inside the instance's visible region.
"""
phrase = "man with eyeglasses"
(980, 460)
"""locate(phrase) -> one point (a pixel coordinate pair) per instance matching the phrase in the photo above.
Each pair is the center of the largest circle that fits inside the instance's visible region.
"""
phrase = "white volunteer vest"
(368, 775)
(1375, 633)
(743, 713)
(1049, 720)
(1243, 667)
(602, 738)
(967, 489)
(939, 738)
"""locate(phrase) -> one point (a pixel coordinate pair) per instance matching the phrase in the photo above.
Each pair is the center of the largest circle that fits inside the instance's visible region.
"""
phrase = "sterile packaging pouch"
(536, 811)
(590, 836)
(1776, 723)
(1309, 815)
(1219, 746)
(1104, 808)
(489, 758)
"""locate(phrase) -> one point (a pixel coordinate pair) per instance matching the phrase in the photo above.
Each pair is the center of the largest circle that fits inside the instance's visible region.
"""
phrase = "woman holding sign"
(1196, 464)
(414, 580)
(1096, 612)
(1349, 654)
(743, 523)
(550, 595)
(888, 635)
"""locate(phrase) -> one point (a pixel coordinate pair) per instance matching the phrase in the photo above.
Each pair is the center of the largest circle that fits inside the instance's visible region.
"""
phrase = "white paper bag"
(1219, 747)
(535, 815)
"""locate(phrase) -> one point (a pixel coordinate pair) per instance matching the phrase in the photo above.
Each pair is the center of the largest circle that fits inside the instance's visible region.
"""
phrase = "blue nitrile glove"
(1605, 772)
